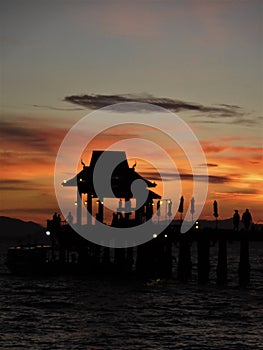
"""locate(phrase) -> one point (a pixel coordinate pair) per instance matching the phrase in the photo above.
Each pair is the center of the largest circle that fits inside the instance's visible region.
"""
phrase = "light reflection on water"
(74, 313)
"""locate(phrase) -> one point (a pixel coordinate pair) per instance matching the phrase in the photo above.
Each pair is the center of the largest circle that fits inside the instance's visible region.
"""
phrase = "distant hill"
(19, 231)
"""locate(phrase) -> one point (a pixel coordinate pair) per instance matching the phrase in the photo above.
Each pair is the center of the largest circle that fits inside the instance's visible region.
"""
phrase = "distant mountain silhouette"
(19, 231)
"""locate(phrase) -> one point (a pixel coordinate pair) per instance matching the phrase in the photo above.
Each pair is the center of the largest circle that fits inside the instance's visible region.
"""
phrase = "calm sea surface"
(75, 313)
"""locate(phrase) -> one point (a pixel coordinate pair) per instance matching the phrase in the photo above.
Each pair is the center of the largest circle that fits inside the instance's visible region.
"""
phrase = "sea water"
(67, 312)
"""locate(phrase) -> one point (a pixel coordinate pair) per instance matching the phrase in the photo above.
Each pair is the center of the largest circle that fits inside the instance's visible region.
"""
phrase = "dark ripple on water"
(71, 313)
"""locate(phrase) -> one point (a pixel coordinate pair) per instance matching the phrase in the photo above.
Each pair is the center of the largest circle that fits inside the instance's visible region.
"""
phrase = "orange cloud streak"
(29, 151)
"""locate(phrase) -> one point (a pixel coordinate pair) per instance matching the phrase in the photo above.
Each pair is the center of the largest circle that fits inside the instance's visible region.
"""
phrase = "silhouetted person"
(169, 210)
(181, 208)
(115, 220)
(56, 220)
(121, 220)
(215, 206)
(70, 218)
(236, 220)
(247, 219)
(192, 210)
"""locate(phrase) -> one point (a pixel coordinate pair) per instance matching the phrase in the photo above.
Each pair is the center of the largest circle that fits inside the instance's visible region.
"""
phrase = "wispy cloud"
(44, 210)
(210, 147)
(216, 114)
(52, 108)
(93, 101)
(221, 146)
(14, 184)
(228, 105)
(153, 176)
(241, 192)
(30, 135)
(212, 165)
(22, 185)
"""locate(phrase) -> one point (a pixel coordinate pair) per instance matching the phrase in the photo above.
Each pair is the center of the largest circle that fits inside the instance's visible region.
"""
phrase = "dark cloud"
(11, 130)
(228, 106)
(31, 210)
(14, 185)
(246, 121)
(15, 159)
(234, 117)
(154, 176)
(215, 114)
(32, 135)
(210, 165)
(58, 108)
(19, 185)
(244, 191)
(219, 179)
(98, 101)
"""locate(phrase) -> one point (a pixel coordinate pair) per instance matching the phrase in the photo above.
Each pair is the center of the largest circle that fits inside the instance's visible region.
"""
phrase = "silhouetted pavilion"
(122, 178)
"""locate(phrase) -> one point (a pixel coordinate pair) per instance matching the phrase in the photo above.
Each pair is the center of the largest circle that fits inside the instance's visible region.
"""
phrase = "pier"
(168, 255)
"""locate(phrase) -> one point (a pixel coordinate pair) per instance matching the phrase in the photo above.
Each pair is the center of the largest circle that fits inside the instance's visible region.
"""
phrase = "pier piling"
(203, 251)
(221, 270)
(244, 265)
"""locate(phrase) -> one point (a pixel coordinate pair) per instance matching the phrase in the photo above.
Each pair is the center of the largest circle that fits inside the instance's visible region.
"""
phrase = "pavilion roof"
(122, 177)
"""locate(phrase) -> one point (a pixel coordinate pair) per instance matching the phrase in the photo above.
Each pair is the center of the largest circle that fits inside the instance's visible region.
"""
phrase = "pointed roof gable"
(122, 176)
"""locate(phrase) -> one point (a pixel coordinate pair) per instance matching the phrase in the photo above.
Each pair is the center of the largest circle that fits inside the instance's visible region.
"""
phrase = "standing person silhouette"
(236, 220)
(56, 220)
(247, 219)
(59, 220)
(70, 218)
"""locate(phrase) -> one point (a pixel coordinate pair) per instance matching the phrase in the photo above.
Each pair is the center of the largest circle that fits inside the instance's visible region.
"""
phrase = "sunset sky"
(200, 59)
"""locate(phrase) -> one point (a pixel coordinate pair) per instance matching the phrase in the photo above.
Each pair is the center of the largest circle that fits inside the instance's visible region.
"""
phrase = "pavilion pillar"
(89, 209)
(100, 211)
(79, 208)
(139, 215)
(149, 209)
(127, 208)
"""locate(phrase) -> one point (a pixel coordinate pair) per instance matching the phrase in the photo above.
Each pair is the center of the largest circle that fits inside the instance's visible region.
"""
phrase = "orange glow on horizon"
(28, 167)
